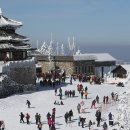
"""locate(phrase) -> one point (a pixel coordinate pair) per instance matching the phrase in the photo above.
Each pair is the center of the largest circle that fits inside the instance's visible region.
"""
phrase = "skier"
(21, 117)
(27, 118)
(28, 103)
(105, 126)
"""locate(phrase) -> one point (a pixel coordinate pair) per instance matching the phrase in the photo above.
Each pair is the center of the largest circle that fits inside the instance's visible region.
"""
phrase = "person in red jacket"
(27, 118)
(93, 103)
(49, 123)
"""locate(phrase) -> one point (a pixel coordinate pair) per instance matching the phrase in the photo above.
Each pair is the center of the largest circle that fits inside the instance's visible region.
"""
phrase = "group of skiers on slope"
(2, 125)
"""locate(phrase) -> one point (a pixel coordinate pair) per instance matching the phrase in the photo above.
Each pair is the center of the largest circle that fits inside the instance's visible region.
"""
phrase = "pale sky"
(89, 21)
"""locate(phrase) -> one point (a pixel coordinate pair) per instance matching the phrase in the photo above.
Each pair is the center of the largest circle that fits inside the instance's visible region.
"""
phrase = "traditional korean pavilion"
(12, 45)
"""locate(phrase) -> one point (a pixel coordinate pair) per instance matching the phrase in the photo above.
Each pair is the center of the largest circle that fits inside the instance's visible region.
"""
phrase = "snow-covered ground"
(42, 102)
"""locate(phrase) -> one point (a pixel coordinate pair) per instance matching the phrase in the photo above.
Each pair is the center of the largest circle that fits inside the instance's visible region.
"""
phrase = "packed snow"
(42, 102)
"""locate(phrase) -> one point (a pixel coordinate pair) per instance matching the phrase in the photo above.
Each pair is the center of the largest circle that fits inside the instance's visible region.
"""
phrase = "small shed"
(121, 71)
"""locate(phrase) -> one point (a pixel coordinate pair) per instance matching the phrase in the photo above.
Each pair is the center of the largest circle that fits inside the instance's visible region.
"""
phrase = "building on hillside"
(12, 45)
(14, 61)
(77, 64)
(121, 71)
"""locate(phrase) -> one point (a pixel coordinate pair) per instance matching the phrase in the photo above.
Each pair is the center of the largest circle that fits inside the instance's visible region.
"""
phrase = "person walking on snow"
(21, 117)
(39, 126)
(36, 118)
(89, 124)
(93, 103)
(98, 117)
(78, 107)
(97, 99)
(49, 123)
(27, 118)
(105, 127)
(28, 103)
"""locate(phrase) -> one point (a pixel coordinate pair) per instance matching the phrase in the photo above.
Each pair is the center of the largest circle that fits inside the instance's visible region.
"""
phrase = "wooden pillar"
(102, 69)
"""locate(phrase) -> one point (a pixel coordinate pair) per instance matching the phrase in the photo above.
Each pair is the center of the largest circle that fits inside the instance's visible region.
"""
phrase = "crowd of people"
(81, 91)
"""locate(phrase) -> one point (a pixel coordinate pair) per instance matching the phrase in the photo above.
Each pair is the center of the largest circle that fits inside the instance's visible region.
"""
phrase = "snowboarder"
(28, 103)
(21, 117)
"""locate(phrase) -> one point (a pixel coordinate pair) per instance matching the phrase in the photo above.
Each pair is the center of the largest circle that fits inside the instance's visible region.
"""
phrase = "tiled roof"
(98, 57)
(4, 22)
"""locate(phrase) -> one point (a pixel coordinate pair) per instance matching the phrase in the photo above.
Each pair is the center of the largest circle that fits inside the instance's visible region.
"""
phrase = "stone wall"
(67, 66)
(63, 62)
(25, 75)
